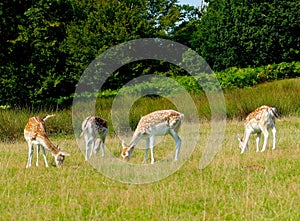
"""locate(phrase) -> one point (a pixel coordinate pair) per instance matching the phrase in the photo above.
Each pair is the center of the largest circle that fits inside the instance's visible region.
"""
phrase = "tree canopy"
(248, 33)
(47, 44)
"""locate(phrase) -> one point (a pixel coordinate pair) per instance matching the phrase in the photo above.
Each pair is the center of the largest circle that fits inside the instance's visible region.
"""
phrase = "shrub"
(247, 77)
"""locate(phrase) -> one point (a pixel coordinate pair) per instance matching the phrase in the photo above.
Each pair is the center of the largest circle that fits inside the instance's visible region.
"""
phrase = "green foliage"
(35, 63)
(155, 86)
(248, 33)
(190, 84)
(46, 45)
(230, 78)
(237, 77)
(247, 77)
(279, 71)
(113, 22)
(49, 43)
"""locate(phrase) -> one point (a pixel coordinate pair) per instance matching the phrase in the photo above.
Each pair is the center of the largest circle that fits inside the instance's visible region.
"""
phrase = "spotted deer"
(94, 129)
(157, 123)
(35, 134)
(257, 122)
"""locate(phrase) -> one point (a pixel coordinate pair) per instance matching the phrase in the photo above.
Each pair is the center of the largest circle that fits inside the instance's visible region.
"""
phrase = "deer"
(257, 122)
(35, 134)
(157, 123)
(94, 128)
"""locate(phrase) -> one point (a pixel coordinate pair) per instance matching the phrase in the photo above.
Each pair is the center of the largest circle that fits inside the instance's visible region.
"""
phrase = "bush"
(238, 78)
(247, 77)
(229, 79)
(280, 71)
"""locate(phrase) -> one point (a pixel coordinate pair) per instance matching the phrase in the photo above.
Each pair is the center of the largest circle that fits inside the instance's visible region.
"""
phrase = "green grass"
(253, 186)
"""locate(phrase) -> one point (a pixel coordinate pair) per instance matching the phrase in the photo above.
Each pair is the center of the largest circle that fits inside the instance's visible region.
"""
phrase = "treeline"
(46, 45)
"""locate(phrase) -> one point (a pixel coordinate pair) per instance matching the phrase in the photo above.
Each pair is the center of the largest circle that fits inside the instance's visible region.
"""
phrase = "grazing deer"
(157, 123)
(93, 127)
(259, 121)
(35, 134)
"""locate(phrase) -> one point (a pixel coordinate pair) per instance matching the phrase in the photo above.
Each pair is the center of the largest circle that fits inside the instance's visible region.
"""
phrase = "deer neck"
(48, 144)
(137, 136)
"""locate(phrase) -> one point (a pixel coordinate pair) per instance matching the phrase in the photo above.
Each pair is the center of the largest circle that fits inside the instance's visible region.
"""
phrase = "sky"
(190, 2)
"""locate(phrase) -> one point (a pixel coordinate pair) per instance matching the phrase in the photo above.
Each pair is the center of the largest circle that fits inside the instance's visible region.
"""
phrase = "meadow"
(252, 186)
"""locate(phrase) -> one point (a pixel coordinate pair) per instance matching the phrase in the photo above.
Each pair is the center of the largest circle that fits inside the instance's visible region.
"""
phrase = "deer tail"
(273, 109)
(84, 127)
(48, 116)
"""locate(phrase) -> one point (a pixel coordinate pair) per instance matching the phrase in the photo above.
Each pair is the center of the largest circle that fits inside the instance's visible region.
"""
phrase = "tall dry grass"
(284, 95)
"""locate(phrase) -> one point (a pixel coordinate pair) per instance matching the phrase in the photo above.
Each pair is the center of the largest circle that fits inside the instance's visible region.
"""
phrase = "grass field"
(252, 186)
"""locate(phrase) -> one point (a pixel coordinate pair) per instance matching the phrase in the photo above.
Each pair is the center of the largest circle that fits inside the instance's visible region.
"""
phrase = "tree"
(113, 22)
(187, 24)
(47, 44)
(33, 73)
(248, 33)
(12, 15)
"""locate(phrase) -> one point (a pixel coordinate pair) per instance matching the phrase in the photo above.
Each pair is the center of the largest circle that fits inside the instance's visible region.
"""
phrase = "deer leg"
(102, 148)
(44, 155)
(97, 144)
(102, 145)
(37, 155)
(87, 147)
(103, 141)
(151, 144)
(274, 138)
(146, 150)
(245, 144)
(178, 143)
(266, 135)
(30, 154)
(92, 143)
(257, 141)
